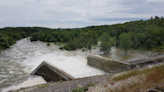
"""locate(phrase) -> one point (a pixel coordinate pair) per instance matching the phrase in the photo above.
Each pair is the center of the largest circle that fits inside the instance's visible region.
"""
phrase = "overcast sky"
(75, 13)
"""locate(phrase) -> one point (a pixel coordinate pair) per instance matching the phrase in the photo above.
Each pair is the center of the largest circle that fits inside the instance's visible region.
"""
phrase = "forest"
(140, 35)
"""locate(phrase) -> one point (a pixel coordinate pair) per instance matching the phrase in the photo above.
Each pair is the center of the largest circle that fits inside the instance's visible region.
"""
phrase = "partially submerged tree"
(106, 43)
(125, 41)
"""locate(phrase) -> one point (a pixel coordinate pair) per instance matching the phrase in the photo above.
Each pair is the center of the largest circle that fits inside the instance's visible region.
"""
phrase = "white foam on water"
(27, 83)
(24, 56)
(74, 65)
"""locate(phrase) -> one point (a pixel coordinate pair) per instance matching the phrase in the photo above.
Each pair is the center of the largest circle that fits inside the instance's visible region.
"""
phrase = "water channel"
(17, 62)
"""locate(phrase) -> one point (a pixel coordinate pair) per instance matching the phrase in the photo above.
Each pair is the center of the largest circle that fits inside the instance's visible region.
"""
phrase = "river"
(17, 62)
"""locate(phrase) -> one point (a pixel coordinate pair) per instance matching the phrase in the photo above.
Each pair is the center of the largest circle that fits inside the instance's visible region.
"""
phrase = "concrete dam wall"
(51, 73)
(112, 66)
(108, 65)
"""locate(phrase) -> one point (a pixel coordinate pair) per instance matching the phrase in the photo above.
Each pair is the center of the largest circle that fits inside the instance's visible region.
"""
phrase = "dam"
(25, 56)
(113, 66)
(53, 74)
(70, 83)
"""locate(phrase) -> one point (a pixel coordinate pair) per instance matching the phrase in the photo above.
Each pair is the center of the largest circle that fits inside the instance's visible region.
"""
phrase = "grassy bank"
(133, 81)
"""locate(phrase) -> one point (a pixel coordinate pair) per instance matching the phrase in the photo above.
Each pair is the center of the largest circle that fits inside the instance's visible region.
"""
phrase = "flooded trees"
(125, 41)
(106, 43)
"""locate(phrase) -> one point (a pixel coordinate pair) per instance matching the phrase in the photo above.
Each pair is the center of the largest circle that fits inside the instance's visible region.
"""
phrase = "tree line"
(147, 34)
(9, 35)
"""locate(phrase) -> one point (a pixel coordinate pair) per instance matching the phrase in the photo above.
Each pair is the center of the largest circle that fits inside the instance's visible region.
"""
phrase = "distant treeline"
(147, 34)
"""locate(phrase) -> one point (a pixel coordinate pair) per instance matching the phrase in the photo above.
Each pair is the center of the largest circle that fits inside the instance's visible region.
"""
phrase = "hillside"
(143, 80)
(144, 35)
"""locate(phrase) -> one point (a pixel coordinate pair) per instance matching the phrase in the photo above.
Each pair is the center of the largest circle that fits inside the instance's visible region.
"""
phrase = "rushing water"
(23, 57)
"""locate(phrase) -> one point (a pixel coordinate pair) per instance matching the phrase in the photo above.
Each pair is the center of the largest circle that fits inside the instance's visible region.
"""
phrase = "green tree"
(125, 41)
(34, 36)
(72, 44)
(106, 43)
(4, 42)
(11, 40)
(105, 47)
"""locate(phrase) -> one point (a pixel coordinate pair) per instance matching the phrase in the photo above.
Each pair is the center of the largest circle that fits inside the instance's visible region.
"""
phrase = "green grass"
(151, 79)
(125, 75)
(131, 73)
(83, 89)
(42, 86)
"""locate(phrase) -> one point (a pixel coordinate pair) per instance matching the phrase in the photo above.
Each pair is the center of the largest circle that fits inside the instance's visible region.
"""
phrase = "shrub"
(48, 44)
(61, 48)
(83, 89)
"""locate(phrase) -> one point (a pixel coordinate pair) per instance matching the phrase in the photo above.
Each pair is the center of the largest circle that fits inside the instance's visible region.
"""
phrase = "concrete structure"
(154, 59)
(51, 73)
(112, 66)
(107, 65)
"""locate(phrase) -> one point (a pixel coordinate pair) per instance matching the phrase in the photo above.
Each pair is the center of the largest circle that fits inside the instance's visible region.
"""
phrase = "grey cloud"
(75, 13)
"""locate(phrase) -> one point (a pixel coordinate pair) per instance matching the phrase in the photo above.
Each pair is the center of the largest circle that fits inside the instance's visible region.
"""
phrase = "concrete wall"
(48, 74)
(51, 73)
(107, 65)
(112, 66)
(155, 59)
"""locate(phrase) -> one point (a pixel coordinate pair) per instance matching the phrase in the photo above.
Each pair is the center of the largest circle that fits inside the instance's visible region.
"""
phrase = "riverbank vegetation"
(141, 80)
(83, 89)
(9, 35)
(144, 35)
